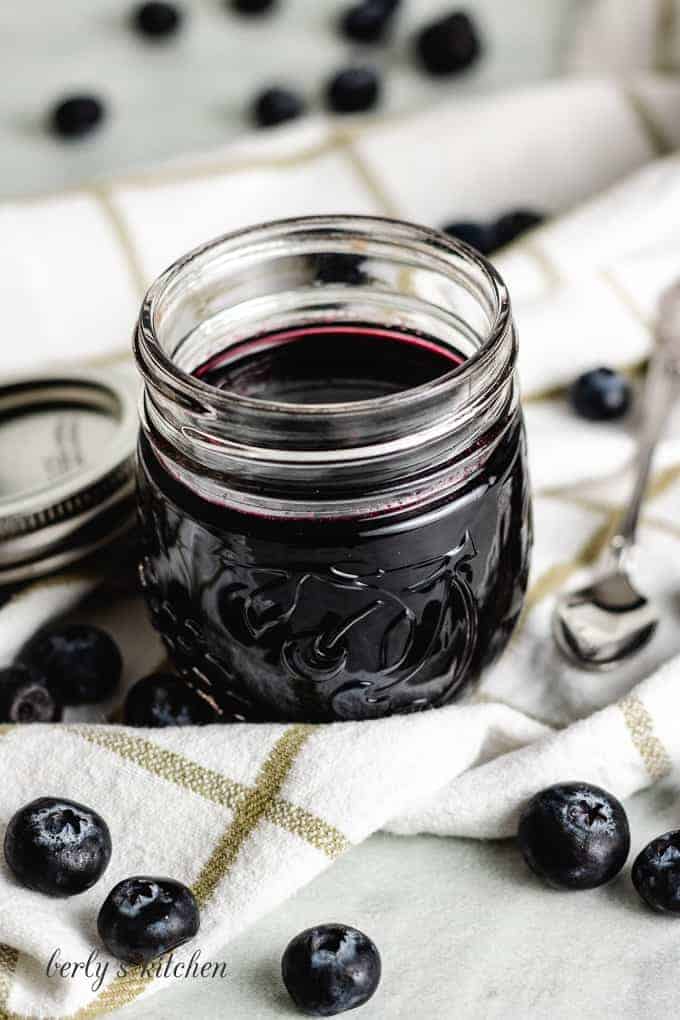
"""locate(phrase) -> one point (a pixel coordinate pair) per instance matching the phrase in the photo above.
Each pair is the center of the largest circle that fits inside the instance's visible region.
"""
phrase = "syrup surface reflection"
(337, 619)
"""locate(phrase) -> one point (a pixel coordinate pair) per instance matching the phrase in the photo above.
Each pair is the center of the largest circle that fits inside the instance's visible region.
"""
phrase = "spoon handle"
(661, 390)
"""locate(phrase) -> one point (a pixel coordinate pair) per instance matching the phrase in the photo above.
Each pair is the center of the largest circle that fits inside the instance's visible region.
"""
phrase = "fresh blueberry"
(57, 847)
(81, 664)
(76, 116)
(353, 90)
(165, 700)
(477, 235)
(276, 105)
(156, 19)
(514, 224)
(656, 873)
(367, 21)
(574, 836)
(25, 697)
(142, 918)
(601, 395)
(252, 6)
(330, 969)
(449, 45)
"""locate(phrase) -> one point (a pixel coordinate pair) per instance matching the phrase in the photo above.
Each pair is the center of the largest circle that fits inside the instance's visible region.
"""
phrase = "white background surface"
(464, 931)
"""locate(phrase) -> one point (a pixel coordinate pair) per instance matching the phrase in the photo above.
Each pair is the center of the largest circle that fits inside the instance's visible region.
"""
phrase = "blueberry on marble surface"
(477, 235)
(57, 847)
(162, 700)
(252, 6)
(156, 19)
(76, 116)
(25, 697)
(353, 90)
(330, 969)
(367, 21)
(276, 105)
(449, 45)
(143, 917)
(601, 395)
(656, 873)
(513, 224)
(81, 664)
(574, 836)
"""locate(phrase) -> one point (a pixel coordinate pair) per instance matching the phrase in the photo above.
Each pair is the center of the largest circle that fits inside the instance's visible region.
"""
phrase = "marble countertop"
(465, 932)
(193, 92)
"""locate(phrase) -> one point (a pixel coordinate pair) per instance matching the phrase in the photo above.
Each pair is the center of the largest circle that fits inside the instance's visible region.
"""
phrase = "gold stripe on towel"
(663, 481)
(316, 831)
(169, 765)
(634, 370)
(368, 177)
(213, 786)
(660, 142)
(8, 964)
(209, 169)
(120, 992)
(665, 35)
(626, 297)
(126, 242)
(178, 174)
(249, 812)
(530, 244)
(641, 728)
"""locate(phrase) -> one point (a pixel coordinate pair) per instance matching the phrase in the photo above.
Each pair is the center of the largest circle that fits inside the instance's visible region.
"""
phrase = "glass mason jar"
(332, 471)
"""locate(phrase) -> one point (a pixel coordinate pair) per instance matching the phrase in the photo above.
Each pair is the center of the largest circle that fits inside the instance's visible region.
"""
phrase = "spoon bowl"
(605, 623)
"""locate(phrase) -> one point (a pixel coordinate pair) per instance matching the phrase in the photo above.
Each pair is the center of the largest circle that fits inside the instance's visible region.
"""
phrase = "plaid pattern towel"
(247, 814)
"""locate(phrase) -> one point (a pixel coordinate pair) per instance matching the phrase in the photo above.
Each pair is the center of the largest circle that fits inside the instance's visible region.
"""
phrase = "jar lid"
(66, 468)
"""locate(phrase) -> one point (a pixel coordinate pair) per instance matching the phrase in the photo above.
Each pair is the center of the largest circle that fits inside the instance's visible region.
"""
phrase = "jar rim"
(152, 358)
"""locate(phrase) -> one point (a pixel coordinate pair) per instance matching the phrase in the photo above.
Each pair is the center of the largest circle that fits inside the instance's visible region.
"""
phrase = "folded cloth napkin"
(247, 814)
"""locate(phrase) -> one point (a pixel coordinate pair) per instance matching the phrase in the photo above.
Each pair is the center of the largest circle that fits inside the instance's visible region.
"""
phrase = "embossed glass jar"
(317, 548)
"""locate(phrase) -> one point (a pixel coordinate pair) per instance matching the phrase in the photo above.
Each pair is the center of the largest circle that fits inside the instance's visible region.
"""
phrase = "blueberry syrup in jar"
(335, 508)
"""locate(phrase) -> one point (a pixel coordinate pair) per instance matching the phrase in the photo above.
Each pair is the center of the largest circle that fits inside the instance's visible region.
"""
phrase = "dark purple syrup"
(329, 364)
(336, 619)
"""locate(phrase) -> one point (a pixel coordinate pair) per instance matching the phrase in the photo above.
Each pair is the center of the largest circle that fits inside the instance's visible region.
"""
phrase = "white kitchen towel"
(247, 814)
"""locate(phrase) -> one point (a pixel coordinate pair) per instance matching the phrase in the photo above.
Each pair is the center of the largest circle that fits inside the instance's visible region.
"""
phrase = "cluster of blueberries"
(78, 664)
(446, 46)
(574, 836)
(60, 848)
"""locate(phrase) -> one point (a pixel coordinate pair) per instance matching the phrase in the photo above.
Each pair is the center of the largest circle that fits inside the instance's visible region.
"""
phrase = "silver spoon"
(608, 621)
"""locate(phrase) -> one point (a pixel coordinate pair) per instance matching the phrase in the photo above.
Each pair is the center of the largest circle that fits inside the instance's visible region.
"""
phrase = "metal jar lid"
(66, 468)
